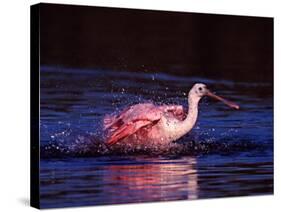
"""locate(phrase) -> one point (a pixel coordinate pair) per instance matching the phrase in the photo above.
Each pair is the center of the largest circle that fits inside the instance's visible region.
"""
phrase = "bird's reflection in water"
(143, 180)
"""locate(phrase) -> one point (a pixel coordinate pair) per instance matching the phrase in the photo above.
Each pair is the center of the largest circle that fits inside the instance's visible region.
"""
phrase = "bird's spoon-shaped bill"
(228, 103)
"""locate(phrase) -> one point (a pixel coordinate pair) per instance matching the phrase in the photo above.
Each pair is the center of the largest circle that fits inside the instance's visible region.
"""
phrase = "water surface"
(228, 153)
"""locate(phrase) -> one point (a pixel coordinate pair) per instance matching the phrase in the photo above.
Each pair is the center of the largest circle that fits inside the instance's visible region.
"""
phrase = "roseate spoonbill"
(149, 123)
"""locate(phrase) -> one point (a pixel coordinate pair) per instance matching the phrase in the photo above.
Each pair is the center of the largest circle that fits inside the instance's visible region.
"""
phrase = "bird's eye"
(200, 88)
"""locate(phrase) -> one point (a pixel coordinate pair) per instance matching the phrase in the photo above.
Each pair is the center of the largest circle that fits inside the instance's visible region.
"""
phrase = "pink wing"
(130, 121)
(136, 117)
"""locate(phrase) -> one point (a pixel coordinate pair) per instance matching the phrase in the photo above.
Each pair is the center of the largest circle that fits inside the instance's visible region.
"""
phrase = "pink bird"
(147, 123)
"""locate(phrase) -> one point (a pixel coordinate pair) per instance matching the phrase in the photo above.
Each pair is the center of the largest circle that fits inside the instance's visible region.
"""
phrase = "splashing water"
(71, 143)
(218, 130)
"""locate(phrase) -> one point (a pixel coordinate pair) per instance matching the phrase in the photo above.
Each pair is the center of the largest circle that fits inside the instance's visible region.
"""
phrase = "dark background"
(191, 44)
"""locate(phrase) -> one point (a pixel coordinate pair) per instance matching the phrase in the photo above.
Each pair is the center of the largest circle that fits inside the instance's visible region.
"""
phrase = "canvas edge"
(136, 9)
(34, 106)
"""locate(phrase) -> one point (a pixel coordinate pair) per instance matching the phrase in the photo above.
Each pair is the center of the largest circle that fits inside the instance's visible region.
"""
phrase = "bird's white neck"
(192, 112)
(186, 125)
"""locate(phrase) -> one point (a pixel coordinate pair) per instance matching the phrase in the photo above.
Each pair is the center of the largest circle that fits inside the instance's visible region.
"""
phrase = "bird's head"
(199, 90)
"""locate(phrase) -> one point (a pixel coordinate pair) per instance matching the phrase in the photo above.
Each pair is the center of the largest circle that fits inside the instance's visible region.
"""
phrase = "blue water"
(228, 153)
